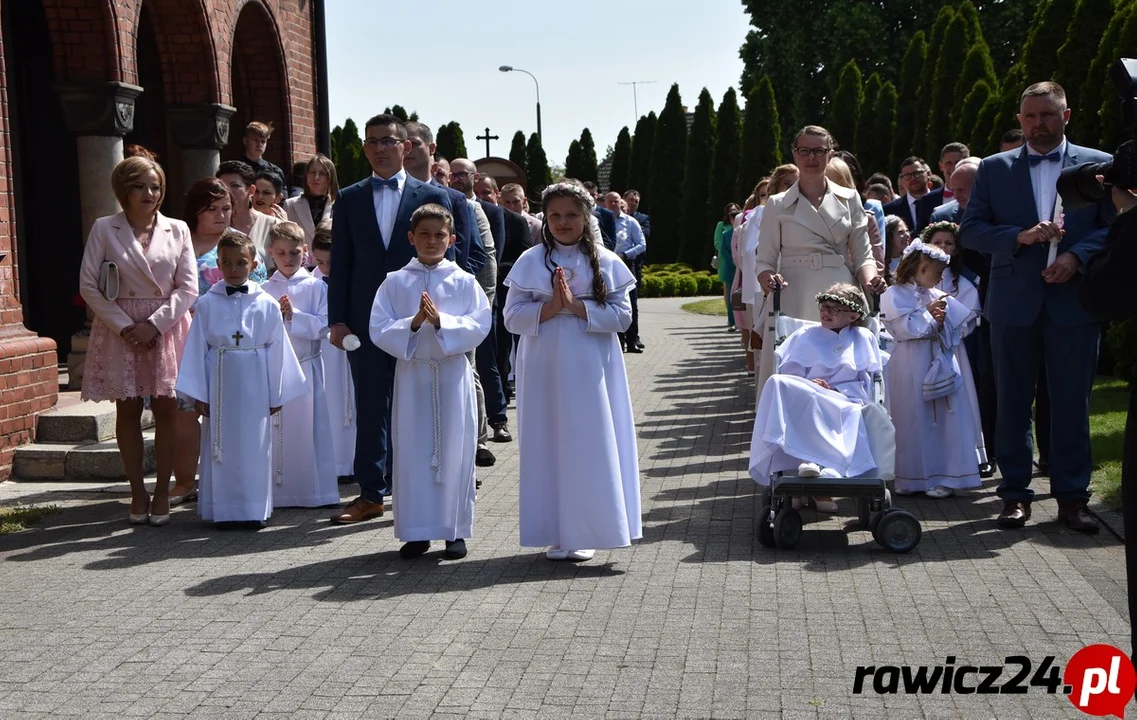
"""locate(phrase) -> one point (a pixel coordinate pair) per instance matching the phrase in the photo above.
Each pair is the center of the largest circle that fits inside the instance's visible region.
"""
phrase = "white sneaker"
(554, 553)
(808, 470)
(830, 473)
(939, 492)
(581, 555)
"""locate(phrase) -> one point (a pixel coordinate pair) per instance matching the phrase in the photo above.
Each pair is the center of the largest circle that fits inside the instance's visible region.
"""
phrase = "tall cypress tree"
(965, 128)
(693, 225)
(517, 150)
(668, 160)
(1010, 91)
(450, 142)
(927, 77)
(1096, 85)
(1091, 18)
(884, 130)
(574, 162)
(967, 11)
(868, 145)
(1109, 116)
(347, 154)
(948, 69)
(977, 66)
(588, 157)
(639, 173)
(845, 109)
(621, 162)
(1047, 35)
(728, 151)
(536, 169)
(909, 114)
(761, 137)
(981, 142)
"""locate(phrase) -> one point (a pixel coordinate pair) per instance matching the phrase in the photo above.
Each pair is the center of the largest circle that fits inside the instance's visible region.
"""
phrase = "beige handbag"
(108, 281)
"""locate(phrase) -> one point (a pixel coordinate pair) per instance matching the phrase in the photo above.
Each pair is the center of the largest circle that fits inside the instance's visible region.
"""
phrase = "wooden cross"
(487, 137)
(237, 337)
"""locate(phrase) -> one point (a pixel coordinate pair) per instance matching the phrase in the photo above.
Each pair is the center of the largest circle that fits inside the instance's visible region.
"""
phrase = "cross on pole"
(237, 337)
(487, 137)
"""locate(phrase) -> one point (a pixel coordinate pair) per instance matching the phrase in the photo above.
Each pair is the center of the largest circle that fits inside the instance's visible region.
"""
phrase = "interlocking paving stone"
(306, 619)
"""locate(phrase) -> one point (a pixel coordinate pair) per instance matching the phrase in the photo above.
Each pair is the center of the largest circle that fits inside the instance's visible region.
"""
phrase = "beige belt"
(815, 261)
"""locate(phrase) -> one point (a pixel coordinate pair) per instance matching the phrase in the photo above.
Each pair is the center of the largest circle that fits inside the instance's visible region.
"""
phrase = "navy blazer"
(924, 208)
(645, 223)
(496, 216)
(607, 220)
(468, 251)
(1001, 206)
(359, 254)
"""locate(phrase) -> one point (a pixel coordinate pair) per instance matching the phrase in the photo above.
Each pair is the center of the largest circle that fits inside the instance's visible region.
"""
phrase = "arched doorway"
(259, 88)
(49, 240)
(150, 107)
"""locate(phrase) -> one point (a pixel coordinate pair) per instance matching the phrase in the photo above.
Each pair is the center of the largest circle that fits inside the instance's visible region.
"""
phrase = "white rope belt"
(436, 408)
(218, 385)
(348, 395)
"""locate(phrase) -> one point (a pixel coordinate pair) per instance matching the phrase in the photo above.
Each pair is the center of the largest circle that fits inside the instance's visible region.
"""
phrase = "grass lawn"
(1108, 405)
(15, 519)
(711, 306)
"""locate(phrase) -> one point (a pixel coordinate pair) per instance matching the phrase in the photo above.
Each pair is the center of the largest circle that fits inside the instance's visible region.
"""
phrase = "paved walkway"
(309, 620)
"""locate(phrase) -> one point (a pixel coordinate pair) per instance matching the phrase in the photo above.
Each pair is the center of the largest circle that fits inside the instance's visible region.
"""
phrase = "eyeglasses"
(461, 174)
(804, 152)
(387, 142)
(912, 175)
(831, 308)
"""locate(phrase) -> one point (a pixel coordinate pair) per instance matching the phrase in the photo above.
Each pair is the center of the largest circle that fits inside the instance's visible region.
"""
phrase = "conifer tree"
(884, 130)
(909, 115)
(948, 68)
(450, 141)
(693, 220)
(1047, 35)
(728, 152)
(517, 150)
(1095, 85)
(919, 139)
(983, 140)
(964, 130)
(977, 66)
(1091, 19)
(867, 144)
(668, 160)
(588, 157)
(621, 162)
(967, 11)
(536, 169)
(761, 137)
(1109, 116)
(574, 162)
(347, 153)
(639, 173)
(845, 109)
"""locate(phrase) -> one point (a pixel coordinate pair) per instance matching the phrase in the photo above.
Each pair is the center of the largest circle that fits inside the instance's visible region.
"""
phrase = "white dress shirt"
(387, 205)
(912, 206)
(1044, 182)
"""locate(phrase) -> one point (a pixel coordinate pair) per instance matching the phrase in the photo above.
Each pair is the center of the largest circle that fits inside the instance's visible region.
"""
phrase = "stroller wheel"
(787, 528)
(765, 528)
(864, 512)
(898, 531)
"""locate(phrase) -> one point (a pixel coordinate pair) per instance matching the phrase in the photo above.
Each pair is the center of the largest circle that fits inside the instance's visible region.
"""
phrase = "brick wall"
(95, 40)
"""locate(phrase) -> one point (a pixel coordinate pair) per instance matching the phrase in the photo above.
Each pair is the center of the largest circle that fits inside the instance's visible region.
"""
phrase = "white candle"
(1053, 254)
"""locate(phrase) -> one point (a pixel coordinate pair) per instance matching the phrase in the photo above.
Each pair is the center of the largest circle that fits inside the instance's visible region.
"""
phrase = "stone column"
(100, 114)
(200, 130)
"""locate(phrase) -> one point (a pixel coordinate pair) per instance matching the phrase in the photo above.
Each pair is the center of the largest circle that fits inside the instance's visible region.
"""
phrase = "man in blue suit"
(370, 225)
(916, 205)
(1033, 308)
(604, 217)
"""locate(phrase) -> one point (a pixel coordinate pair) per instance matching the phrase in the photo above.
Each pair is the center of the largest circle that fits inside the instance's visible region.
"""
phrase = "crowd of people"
(977, 272)
(276, 380)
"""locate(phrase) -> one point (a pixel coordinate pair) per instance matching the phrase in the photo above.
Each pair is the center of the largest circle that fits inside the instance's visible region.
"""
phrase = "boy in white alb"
(428, 316)
(338, 386)
(302, 444)
(238, 368)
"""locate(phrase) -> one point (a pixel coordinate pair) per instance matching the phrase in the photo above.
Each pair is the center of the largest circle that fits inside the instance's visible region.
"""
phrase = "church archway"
(45, 176)
(260, 90)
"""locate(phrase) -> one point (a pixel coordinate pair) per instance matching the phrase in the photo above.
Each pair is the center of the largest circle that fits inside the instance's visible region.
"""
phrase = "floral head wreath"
(941, 226)
(568, 189)
(850, 302)
(928, 250)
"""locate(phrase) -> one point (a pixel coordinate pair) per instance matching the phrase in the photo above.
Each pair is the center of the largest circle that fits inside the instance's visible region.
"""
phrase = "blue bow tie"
(1037, 159)
(379, 183)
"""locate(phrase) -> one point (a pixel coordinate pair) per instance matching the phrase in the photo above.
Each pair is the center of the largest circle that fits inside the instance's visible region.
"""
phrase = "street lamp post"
(510, 68)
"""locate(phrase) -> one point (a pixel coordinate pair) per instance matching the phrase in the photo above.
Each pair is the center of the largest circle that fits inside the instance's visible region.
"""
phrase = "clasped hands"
(938, 310)
(563, 298)
(285, 307)
(427, 313)
(1065, 265)
(141, 334)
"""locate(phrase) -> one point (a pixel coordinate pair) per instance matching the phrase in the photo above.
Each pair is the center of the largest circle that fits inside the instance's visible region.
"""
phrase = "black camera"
(1078, 185)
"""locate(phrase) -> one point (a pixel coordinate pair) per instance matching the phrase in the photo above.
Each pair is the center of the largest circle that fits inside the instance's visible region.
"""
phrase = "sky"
(441, 60)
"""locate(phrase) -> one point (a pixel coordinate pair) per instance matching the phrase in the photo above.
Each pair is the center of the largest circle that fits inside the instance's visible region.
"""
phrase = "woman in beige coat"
(806, 239)
(315, 205)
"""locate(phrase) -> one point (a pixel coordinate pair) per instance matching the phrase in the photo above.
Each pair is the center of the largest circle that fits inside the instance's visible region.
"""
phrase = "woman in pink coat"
(137, 338)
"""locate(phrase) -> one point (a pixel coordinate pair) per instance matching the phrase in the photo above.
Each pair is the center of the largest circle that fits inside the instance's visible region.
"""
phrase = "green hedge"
(678, 280)
(1121, 340)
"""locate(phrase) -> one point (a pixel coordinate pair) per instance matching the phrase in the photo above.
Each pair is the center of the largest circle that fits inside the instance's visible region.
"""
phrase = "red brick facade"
(204, 45)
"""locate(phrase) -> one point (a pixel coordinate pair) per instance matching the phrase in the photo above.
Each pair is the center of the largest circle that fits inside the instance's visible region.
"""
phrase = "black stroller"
(780, 525)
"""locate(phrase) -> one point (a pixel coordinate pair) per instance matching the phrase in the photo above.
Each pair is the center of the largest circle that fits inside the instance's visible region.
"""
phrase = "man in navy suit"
(632, 198)
(370, 225)
(1033, 307)
(605, 217)
(915, 206)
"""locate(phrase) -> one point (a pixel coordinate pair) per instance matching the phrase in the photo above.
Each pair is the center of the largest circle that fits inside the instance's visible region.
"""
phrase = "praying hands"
(427, 313)
(285, 307)
(562, 299)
